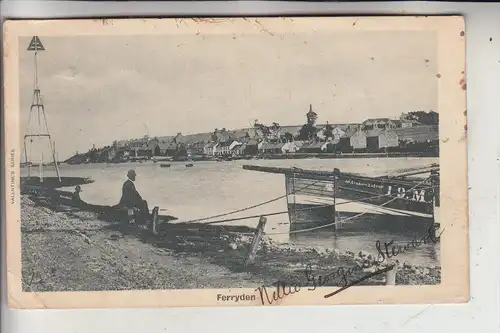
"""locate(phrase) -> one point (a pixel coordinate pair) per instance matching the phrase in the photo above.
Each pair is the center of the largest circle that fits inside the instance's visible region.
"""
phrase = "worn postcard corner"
(236, 162)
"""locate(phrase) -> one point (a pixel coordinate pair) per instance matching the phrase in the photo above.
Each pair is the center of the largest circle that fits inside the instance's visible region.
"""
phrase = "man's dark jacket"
(130, 196)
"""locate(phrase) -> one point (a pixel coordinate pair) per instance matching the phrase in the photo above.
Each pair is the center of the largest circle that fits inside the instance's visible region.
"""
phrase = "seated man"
(75, 197)
(133, 200)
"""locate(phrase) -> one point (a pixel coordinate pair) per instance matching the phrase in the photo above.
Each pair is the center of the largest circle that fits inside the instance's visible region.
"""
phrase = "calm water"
(212, 188)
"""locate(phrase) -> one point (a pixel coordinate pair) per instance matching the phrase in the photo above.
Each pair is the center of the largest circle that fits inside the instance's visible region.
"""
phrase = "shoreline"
(63, 251)
(267, 156)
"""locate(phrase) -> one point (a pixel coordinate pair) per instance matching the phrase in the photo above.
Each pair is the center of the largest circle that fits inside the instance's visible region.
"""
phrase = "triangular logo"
(36, 44)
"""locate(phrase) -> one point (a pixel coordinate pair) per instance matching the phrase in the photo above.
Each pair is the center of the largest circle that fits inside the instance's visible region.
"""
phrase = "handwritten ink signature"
(395, 251)
(343, 273)
(282, 289)
(415, 243)
(366, 277)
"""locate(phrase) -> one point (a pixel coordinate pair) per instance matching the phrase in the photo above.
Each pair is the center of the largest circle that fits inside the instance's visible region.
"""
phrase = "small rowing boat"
(67, 201)
(163, 165)
(189, 165)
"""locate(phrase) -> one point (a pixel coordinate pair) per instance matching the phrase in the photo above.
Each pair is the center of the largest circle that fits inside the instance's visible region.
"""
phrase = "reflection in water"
(213, 188)
(358, 241)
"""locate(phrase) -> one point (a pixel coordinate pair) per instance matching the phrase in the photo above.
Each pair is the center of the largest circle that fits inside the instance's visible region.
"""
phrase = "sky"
(97, 89)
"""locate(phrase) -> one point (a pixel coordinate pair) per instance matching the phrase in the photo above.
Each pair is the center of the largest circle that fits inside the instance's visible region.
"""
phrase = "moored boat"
(337, 196)
(64, 201)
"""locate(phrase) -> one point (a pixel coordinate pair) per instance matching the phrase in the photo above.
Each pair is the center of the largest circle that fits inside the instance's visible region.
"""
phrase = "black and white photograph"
(260, 161)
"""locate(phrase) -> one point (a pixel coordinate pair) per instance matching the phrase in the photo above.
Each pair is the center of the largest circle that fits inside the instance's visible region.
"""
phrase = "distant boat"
(189, 165)
(162, 165)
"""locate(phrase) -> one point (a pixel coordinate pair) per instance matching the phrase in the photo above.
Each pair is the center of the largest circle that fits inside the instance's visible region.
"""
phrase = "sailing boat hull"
(314, 213)
(360, 201)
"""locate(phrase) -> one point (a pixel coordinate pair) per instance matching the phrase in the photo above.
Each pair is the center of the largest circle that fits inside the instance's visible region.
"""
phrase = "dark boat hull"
(346, 197)
(53, 182)
(316, 218)
(60, 200)
(401, 196)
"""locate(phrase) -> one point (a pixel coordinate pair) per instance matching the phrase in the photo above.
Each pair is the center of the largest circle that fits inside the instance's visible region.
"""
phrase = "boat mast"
(37, 104)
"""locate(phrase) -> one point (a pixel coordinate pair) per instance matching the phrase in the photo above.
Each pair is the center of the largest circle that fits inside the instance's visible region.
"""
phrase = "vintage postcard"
(236, 162)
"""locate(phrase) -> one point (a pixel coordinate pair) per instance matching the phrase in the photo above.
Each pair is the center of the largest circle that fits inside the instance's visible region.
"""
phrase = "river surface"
(213, 188)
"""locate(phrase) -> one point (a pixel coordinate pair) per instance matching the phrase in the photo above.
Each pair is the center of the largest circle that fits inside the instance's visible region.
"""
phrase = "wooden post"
(335, 178)
(41, 168)
(390, 277)
(287, 189)
(130, 215)
(256, 240)
(334, 206)
(290, 200)
(154, 223)
(293, 226)
(435, 198)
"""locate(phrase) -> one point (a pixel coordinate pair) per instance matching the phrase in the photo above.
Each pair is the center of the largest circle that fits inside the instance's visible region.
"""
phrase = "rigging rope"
(260, 204)
(267, 214)
(285, 212)
(330, 224)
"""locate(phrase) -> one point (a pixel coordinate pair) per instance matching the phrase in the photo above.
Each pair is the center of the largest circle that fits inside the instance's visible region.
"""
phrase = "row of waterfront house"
(372, 136)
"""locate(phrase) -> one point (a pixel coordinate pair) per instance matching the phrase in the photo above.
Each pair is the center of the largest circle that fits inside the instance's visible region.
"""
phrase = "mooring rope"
(285, 212)
(318, 227)
(306, 209)
(266, 214)
(262, 204)
(297, 210)
(250, 207)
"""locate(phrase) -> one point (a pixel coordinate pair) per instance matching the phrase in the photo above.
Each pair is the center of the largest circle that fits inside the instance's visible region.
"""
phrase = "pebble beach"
(76, 251)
